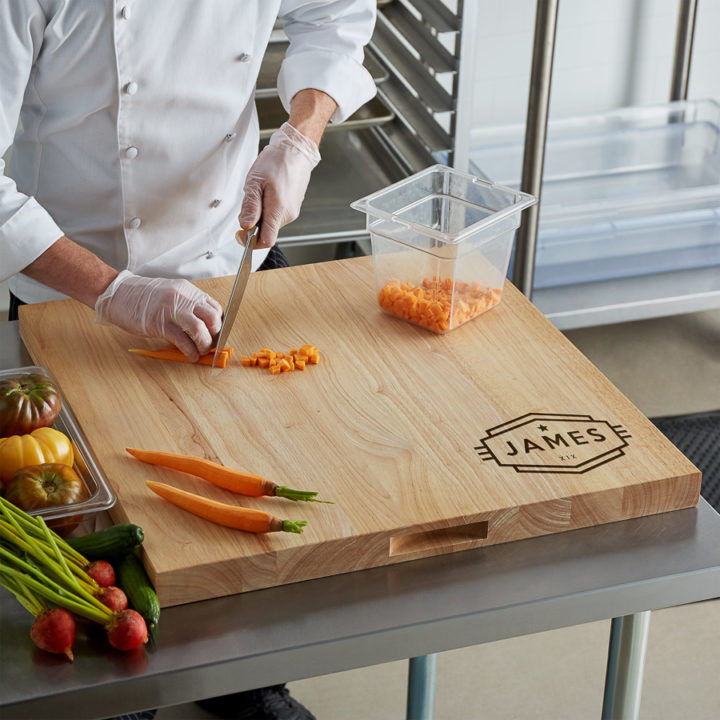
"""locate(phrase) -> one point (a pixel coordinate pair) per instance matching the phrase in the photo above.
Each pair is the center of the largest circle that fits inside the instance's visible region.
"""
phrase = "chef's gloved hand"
(276, 183)
(160, 307)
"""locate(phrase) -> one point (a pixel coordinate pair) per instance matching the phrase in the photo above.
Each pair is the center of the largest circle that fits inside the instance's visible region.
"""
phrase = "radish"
(127, 630)
(113, 597)
(54, 631)
(101, 572)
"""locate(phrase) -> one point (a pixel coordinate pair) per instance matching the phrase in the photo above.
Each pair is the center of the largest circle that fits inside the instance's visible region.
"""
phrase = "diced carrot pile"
(279, 362)
(438, 303)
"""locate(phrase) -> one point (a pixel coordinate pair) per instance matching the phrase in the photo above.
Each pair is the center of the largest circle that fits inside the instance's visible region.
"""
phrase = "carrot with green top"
(232, 516)
(236, 481)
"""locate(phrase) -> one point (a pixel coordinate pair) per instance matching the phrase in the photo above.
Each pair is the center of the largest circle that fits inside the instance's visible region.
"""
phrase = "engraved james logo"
(550, 442)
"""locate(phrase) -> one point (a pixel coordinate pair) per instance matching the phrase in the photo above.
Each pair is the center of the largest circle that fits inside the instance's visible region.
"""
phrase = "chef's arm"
(172, 309)
(72, 270)
(322, 79)
(310, 112)
(278, 179)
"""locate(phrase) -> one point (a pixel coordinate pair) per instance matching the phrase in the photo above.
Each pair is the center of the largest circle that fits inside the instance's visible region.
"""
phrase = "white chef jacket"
(138, 122)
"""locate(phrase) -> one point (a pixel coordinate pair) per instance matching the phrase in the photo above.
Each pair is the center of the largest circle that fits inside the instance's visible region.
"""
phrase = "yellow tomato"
(44, 445)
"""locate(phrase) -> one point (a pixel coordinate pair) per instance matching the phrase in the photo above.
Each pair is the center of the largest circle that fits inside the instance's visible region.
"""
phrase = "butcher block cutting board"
(427, 444)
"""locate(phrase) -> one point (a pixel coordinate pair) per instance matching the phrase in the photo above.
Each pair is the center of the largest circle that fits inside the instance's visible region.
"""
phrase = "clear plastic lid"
(445, 204)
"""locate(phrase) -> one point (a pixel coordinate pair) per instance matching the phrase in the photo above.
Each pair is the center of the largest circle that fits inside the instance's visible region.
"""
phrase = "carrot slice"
(232, 516)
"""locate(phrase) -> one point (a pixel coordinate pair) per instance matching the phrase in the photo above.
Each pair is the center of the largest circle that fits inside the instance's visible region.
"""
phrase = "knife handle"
(242, 235)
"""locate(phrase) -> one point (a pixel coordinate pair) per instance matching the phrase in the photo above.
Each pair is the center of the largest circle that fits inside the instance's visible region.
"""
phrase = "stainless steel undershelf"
(624, 299)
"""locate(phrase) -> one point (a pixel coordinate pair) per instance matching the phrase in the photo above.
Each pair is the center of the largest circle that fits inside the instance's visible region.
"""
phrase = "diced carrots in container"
(438, 304)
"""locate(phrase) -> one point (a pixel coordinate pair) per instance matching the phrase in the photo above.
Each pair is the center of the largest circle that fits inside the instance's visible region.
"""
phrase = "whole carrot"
(232, 516)
(236, 481)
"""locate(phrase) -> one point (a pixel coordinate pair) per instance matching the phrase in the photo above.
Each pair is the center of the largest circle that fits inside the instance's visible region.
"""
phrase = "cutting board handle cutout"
(446, 539)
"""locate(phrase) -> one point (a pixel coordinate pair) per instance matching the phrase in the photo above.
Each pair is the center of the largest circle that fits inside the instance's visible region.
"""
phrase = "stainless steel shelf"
(637, 297)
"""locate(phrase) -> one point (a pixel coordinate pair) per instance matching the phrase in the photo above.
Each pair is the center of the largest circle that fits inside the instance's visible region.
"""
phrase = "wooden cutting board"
(428, 444)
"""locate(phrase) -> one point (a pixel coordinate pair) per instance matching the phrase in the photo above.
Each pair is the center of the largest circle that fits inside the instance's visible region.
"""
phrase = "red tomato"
(27, 402)
(47, 485)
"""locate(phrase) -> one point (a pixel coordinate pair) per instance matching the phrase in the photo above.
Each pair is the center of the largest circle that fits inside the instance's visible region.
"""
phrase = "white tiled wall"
(608, 54)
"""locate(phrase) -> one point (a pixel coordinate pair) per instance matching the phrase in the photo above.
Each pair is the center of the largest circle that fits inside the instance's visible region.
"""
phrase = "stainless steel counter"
(364, 618)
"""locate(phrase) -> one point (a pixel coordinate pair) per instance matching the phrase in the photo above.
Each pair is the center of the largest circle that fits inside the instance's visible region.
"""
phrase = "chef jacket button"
(230, 136)
(131, 88)
(215, 203)
(134, 223)
(209, 255)
(244, 57)
(131, 152)
(125, 12)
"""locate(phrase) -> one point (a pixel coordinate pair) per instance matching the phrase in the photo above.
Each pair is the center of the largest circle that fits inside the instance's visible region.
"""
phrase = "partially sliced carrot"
(232, 516)
(175, 355)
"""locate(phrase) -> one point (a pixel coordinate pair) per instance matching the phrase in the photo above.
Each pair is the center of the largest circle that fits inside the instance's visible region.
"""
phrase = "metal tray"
(266, 85)
(100, 495)
(272, 115)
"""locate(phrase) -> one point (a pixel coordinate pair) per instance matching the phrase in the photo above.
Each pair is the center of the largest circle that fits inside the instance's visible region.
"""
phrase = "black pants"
(275, 259)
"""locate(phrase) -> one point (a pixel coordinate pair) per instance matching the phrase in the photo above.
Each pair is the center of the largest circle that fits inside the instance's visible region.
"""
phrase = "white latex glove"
(276, 183)
(160, 307)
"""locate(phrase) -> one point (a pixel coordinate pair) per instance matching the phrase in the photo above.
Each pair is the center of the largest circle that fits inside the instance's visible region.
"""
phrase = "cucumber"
(113, 543)
(130, 575)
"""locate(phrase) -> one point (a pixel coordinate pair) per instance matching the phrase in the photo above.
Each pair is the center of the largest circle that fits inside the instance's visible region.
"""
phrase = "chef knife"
(238, 289)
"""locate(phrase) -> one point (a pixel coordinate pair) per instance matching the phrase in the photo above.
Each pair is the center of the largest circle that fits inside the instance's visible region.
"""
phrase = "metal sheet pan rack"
(421, 113)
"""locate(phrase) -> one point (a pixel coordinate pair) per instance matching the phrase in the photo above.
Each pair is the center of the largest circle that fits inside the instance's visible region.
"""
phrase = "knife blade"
(238, 289)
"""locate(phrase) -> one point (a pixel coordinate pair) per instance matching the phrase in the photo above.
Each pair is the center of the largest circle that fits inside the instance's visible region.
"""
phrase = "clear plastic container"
(64, 519)
(441, 243)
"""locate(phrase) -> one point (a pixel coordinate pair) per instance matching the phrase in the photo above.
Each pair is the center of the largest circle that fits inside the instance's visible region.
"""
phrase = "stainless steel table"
(410, 610)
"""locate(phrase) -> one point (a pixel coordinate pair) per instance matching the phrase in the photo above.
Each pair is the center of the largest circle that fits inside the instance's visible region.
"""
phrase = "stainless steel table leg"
(421, 687)
(626, 662)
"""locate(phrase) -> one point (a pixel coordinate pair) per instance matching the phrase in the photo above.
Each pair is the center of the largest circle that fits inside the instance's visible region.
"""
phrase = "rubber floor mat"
(698, 438)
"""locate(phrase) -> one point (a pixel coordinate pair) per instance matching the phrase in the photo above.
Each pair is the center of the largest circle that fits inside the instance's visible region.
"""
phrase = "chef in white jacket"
(134, 141)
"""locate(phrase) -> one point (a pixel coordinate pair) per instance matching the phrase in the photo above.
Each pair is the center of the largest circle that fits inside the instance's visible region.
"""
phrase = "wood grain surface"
(427, 444)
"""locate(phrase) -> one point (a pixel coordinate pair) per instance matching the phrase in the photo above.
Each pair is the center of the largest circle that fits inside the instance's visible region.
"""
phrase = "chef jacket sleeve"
(26, 229)
(326, 51)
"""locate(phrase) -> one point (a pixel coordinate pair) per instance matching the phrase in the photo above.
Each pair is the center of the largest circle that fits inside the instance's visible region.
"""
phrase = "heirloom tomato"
(27, 402)
(44, 445)
(46, 485)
